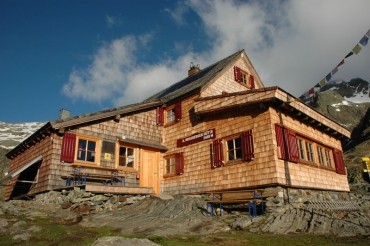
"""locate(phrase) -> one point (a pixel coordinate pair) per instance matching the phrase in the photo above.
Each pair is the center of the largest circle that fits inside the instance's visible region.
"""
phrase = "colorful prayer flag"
(311, 91)
(340, 63)
(368, 33)
(356, 49)
(328, 77)
(334, 71)
(364, 40)
(349, 54)
(322, 82)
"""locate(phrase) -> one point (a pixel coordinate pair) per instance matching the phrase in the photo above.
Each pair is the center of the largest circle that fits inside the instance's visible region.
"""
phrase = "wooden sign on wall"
(197, 137)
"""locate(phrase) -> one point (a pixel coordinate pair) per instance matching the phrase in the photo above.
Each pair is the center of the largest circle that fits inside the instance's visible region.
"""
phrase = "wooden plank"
(118, 189)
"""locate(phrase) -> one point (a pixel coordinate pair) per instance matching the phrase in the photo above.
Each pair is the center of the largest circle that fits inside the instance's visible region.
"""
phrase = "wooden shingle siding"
(44, 148)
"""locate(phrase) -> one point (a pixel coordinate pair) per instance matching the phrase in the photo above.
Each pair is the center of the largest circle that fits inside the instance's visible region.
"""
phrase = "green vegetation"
(53, 233)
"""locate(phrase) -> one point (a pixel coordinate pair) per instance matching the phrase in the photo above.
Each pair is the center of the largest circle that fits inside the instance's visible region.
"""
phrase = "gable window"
(174, 164)
(126, 157)
(243, 77)
(168, 115)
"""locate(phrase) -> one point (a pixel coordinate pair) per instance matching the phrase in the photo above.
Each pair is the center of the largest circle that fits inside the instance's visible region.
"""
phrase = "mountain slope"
(348, 103)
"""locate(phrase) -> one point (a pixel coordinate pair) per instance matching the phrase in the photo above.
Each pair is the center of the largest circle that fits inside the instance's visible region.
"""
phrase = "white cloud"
(292, 44)
(178, 14)
(112, 21)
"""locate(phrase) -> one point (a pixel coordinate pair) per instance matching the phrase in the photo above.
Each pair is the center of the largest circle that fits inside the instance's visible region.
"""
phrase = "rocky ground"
(167, 215)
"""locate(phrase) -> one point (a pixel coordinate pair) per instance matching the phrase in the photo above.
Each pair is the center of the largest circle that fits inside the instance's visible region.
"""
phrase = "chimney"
(193, 69)
(64, 114)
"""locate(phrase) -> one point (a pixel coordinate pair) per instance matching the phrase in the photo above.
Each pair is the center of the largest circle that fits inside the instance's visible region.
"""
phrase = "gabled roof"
(194, 83)
(184, 87)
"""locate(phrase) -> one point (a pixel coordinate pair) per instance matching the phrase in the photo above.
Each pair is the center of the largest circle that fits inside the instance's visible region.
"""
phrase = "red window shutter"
(280, 141)
(237, 73)
(179, 163)
(68, 147)
(292, 146)
(339, 162)
(251, 81)
(217, 153)
(160, 116)
(247, 145)
(178, 111)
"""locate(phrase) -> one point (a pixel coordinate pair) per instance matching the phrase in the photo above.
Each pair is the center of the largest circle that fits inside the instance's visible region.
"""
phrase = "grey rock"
(119, 241)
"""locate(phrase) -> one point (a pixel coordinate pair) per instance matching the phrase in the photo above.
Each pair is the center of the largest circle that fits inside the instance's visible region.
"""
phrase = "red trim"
(339, 162)
(237, 74)
(251, 80)
(68, 147)
(280, 141)
(178, 111)
(160, 116)
(179, 163)
(217, 153)
(248, 148)
(291, 140)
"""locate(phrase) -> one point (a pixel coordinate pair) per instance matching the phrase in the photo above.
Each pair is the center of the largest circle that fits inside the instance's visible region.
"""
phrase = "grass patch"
(51, 232)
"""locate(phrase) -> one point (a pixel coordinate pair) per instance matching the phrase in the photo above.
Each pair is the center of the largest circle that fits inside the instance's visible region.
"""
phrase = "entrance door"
(149, 171)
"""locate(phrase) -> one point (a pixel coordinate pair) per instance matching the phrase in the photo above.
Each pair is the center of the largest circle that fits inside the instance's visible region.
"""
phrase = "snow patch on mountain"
(11, 134)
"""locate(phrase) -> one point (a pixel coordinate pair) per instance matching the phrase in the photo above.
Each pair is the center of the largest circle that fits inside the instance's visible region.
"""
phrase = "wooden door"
(149, 170)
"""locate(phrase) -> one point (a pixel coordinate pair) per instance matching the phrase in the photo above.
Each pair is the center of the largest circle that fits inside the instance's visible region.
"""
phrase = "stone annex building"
(217, 129)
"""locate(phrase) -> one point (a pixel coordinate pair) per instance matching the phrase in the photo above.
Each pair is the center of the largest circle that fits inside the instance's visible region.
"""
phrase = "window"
(236, 147)
(320, 155)
(86, 150)
(302, 152)
(329, 159)
(310, 154)
(174, 164)
(287, 143)
(309, 151)
(168, 115)
(126, 157)
(243, 78)
(80, 148)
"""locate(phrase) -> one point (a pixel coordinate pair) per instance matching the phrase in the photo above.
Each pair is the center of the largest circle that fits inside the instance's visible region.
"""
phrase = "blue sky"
(90, 55)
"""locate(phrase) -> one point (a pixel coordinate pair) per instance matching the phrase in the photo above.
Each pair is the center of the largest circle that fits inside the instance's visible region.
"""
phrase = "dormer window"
(243, 77)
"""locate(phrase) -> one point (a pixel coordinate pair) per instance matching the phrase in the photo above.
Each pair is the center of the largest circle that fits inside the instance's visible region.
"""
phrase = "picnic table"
(80, 176)
(251, 198)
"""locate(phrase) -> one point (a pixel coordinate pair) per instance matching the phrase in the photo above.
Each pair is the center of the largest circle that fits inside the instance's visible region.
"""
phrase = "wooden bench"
(251, 198)
(80, 177)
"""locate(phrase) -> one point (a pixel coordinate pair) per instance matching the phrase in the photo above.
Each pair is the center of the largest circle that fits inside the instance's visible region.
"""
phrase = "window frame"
(175, 163)
(227, 151)
(243, 77)
(88, 138)
(136, 156)
(310, 151)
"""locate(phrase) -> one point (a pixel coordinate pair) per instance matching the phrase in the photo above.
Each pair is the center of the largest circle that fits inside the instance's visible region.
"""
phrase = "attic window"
(243, 77)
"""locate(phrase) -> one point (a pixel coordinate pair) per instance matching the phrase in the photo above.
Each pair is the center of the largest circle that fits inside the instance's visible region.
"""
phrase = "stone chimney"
(64, 114)
(193, 69)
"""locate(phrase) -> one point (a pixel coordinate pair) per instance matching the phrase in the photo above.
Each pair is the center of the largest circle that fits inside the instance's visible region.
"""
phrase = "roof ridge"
(194, 82)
